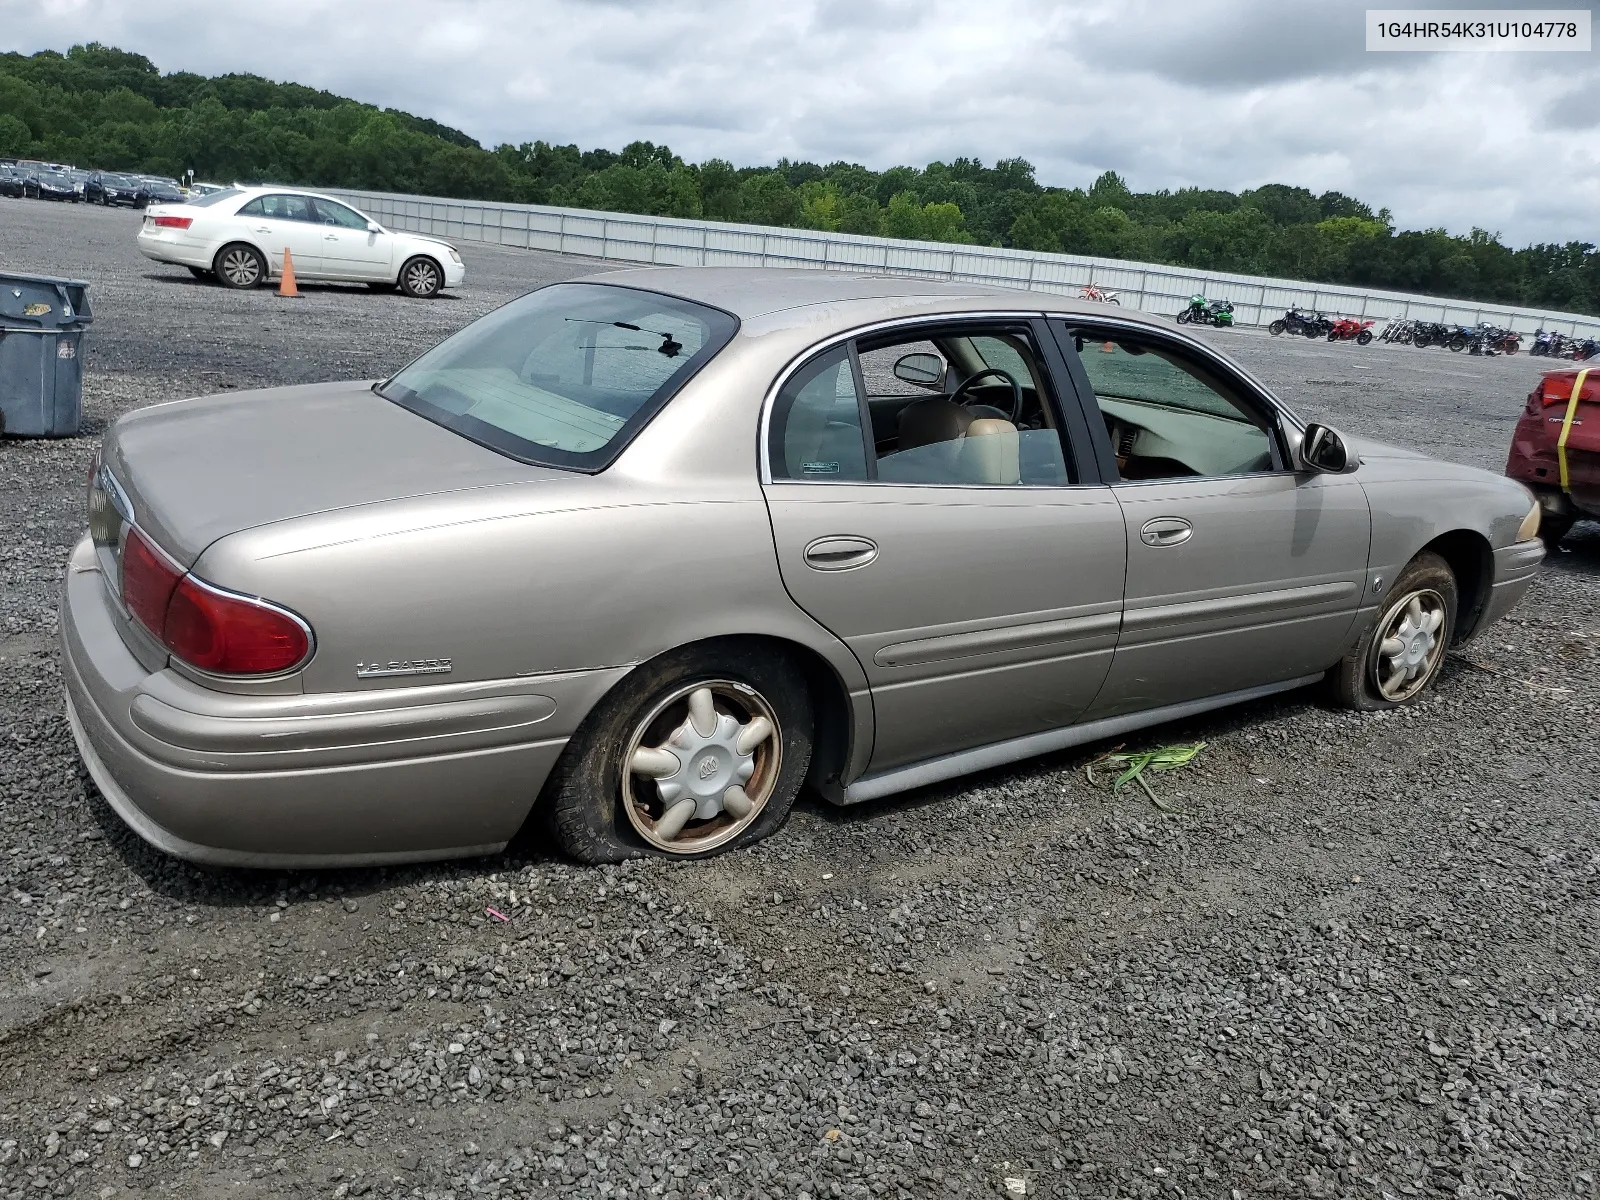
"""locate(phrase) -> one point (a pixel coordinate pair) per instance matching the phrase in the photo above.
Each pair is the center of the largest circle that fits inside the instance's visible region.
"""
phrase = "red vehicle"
(1348, 329)
(1556, 450)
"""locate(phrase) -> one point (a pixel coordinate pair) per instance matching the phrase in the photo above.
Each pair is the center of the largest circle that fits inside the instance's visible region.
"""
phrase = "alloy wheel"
(700, 767)
(421, 278)
(241, 267)
(1409, 646)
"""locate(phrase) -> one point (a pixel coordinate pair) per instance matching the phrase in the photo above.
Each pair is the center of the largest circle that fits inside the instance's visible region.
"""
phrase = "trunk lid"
(197, 470)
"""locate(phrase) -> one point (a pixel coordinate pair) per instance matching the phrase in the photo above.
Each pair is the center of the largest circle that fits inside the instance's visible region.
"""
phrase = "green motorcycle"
(1206, 312)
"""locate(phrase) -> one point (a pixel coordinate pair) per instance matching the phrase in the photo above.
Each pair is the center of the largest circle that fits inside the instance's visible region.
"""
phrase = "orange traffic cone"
(286, 285)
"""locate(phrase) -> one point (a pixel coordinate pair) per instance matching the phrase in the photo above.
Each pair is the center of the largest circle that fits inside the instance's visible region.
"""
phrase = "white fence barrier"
(672, 241)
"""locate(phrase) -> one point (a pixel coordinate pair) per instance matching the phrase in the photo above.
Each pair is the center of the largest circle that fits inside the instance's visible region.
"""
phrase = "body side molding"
(997, 754)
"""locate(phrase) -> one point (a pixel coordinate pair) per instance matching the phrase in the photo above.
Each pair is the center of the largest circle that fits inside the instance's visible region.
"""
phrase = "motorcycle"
(1297, 322)
(1398, 331)
(1492, 340)
(1207, 312)
(1429, 333)
(1348, 329)
(1090, 292)
(1547, 345)
(1587, 348)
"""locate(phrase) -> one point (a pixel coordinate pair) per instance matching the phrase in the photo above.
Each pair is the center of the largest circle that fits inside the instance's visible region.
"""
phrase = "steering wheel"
(1016, 389)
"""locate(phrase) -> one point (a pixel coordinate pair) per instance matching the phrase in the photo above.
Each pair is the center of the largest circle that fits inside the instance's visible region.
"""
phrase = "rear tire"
(1364, 337)
(421, 277)
(239, 266)
(587, 796)
(1398, 658)
(1457, 344)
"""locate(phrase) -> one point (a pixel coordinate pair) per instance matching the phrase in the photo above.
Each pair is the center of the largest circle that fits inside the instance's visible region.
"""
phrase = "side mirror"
(1323, 450)
(922, 369)
(372, 227)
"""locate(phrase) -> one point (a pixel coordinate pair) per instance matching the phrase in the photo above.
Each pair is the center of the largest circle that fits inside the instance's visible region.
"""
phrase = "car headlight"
(1529, 529)
(455, 254)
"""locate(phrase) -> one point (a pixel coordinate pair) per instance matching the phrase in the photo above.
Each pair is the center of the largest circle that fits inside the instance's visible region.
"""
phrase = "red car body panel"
(1535, 459)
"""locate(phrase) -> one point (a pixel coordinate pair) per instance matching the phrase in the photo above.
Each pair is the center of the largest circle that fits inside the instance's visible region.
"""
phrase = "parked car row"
(32, 180)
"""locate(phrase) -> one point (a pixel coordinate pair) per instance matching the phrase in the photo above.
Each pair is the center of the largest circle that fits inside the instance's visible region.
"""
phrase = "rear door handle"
(840, 553)
(1166, 531)
(330, 237)
(261, 229)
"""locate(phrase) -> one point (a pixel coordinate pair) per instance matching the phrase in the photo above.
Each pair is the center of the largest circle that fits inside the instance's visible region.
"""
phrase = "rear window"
(564, 376)
(214, 197)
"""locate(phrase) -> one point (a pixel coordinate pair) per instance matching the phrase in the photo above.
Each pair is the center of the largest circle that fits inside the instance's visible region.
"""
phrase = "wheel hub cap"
(1410, 645)
(700, 771)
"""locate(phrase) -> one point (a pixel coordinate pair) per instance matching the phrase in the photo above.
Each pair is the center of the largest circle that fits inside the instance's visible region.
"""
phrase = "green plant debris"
(1132, 765)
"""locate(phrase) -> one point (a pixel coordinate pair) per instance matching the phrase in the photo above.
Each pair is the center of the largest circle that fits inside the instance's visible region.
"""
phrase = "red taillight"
(207, 628)
(231, 635)
(148, 580)
(1557, 389)
(174, 222)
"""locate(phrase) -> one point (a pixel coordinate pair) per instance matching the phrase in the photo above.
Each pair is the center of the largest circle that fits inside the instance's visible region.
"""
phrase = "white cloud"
(1229, 93)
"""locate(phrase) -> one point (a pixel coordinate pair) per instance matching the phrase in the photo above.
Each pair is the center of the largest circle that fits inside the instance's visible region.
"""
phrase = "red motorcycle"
(1348, 329)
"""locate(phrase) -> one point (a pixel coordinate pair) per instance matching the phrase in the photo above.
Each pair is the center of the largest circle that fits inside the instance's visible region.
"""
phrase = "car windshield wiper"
(670, 346)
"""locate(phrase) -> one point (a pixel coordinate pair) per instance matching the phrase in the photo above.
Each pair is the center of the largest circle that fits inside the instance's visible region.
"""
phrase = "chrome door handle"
(261, 229)
(330, 237)
(1166, 531)
(840, 553)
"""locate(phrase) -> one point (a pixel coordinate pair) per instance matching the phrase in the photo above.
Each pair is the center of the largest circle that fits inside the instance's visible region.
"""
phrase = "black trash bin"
(42, 321)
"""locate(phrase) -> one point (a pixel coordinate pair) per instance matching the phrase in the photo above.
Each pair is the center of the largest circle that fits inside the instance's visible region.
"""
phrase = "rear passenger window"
(816, 423)
(280, 208)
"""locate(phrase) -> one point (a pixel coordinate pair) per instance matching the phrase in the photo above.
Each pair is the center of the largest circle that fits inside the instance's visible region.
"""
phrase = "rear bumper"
(166, 250)
(1515, 568)
(388, 775)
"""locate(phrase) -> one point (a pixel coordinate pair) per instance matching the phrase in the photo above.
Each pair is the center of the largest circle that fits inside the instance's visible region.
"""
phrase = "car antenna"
(670, 346)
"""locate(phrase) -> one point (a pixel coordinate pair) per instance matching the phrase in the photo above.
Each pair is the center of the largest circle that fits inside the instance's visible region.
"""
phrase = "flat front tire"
(239, 266)
(421, 277)
(1400, 657)
(697, 752)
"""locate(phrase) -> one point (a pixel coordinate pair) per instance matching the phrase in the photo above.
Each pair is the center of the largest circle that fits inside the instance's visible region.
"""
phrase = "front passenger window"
(1169, 418)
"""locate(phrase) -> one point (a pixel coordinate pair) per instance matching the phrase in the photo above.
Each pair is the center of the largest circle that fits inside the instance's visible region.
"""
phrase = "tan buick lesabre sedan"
(648, 553)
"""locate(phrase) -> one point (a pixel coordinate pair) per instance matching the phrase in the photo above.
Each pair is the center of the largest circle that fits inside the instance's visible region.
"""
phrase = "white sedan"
(239, 236)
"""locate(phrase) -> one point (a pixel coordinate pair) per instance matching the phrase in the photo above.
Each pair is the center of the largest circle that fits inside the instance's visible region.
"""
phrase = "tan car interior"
(972, 431)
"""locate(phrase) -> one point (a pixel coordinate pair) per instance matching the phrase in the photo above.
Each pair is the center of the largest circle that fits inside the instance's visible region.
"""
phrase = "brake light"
(174, 222)
(208, 628)
(1557, 389)
(148, 580)
(231, 635)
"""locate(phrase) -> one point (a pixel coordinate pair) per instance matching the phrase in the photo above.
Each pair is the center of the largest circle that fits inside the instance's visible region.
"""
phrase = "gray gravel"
(1359, 960)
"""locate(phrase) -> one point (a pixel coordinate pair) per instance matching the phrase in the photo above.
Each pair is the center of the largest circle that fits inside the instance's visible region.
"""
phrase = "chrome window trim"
(764, 426)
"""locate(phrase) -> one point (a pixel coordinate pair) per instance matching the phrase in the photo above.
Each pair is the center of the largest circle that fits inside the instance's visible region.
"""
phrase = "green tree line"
(96, 106)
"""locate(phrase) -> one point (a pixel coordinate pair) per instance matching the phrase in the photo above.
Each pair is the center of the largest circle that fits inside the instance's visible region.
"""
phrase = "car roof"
(752, 292)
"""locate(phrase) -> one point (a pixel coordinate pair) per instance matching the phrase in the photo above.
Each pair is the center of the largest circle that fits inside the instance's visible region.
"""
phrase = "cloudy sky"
(1225, 93)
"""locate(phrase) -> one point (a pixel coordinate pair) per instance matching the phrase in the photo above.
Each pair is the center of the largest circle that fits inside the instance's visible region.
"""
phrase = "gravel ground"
(1354, 961)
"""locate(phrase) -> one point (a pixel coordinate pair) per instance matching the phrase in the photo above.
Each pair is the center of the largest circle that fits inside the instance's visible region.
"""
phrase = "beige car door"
(1241, 573)
(982, 605)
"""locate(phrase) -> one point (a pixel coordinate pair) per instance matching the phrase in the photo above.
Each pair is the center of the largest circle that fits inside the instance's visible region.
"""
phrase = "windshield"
(565, 376)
